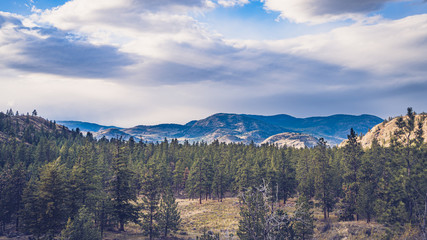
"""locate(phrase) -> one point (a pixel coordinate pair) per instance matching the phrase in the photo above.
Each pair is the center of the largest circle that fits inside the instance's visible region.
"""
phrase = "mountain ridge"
(244, 128)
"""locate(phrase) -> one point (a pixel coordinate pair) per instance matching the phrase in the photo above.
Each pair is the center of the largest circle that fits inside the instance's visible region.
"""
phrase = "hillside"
(25, 128)
(384, 131)
(332, 128)
(241, 128)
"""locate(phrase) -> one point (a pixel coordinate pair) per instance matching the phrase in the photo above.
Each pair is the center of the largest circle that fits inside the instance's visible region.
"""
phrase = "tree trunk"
(166, 227)
(324, 213)
(423, 228)
(151, 223)
(122, 226)
(102, 219)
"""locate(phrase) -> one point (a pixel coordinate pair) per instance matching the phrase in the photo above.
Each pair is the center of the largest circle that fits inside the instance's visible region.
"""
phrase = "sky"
(133, 62)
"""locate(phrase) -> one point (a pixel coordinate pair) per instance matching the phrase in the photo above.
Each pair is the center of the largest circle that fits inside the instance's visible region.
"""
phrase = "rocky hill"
(243, 128)
(290, 139)
(385, 130)
(27, 128)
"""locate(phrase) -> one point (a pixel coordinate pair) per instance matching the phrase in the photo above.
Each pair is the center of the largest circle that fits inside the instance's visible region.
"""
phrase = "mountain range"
(242, 128)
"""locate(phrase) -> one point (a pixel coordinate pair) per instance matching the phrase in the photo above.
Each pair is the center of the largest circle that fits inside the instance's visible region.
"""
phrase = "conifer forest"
(57, 183)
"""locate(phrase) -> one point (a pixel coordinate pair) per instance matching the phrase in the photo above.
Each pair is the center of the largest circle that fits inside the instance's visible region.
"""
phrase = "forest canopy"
(53, 179)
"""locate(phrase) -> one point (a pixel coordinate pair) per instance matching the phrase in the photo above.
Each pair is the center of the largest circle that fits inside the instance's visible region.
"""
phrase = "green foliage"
(324, 181)
(351, 164)
(151, 196)
(56, 172)
(82, 227)
(122, 192)
(45, 208)
(303, 221)
(168, 216)
(12, 182)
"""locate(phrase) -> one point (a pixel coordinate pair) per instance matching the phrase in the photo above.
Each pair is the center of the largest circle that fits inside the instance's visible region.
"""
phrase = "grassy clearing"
(223, 217)
(219, 217)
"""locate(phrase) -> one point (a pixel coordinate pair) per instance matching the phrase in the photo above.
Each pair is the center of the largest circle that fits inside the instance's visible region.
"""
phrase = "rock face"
(288, 139)
(385, 130)
(241, 128)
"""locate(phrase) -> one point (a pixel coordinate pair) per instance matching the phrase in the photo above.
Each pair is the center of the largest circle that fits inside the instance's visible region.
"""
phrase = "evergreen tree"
(151, 195)
(122, 191)
(351, 163)
(12, 183)
(303, 221)
(84, 184)
(169, 216)
(305, 173)
(407, 140)
(370, 172)
(81, 228)
(220, 180)
(45, 209)
(197, 180)
(325, 192)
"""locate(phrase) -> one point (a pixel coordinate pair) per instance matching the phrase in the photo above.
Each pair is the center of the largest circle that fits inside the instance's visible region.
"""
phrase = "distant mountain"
(84, 126)
(333, 128)
(242, 128)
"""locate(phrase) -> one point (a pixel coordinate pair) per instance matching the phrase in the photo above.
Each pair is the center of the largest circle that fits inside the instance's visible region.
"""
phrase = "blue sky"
(128, 62)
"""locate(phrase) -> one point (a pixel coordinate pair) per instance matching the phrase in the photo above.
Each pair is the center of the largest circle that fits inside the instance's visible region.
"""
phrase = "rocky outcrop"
(384, 131)
(288, 139)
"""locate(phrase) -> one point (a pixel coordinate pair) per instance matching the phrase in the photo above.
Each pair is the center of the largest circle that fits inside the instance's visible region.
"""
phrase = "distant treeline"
(50, 177)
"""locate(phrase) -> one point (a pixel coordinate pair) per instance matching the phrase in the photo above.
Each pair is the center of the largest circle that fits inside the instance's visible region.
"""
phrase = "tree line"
(55, 182)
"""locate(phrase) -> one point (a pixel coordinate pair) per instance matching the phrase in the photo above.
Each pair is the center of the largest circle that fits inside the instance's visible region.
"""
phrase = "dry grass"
(219, 217)
(223, 218)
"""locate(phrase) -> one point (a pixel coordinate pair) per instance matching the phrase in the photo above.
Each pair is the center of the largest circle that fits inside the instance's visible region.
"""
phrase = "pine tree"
(45, 209)
(305, 173)
(122, 191)
(370, 172)
(169, 216)
(12, 183)
(324, 190)
(407, 140)
(81, 228)
(351, 163)
(197, 179)
(220, 180)
(151, 195)
(84, 186)
(303, 221)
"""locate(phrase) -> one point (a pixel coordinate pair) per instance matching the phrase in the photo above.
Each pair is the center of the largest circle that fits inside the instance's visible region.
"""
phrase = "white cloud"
(153, 63)
(322, 11)
(390, 47)
(232, 3)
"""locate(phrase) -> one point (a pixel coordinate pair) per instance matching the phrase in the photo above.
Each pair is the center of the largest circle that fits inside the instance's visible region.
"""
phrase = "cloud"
(48, 50)
(322, 11)
(371, 48)
(153, 63)
(232, 3)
